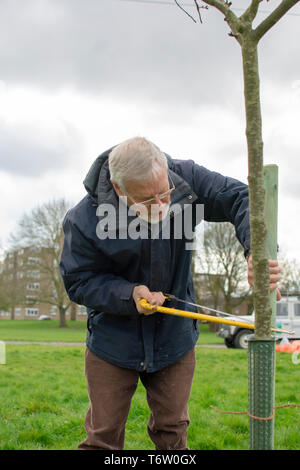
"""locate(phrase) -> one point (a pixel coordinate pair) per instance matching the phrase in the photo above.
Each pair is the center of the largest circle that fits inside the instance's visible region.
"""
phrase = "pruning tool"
(199, 316)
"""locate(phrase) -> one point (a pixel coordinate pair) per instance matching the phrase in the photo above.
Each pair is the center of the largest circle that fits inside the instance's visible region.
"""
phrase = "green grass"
(33, 330)
(207, 337)
(44, 400)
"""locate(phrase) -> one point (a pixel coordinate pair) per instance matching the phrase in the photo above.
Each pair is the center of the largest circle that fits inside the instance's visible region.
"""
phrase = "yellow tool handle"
(200, 316)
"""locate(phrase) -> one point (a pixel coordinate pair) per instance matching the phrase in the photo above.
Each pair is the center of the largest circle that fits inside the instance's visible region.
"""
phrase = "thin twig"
(185, 11)
(198, 10)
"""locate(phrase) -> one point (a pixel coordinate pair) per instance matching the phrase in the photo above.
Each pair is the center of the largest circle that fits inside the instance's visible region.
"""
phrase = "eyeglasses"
(153, 200)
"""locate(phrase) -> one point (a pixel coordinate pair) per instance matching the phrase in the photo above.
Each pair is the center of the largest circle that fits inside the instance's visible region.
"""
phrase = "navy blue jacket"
(101, 273)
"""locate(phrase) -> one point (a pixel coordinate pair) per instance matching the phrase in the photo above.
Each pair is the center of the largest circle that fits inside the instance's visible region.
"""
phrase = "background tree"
(222, 262)
(290, 275)
(41, 231)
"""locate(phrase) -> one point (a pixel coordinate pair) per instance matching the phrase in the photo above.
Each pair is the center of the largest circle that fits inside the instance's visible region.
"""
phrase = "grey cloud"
(24, 153)
(137, 52)
(285, 154)
(126, 49)
(289, 176)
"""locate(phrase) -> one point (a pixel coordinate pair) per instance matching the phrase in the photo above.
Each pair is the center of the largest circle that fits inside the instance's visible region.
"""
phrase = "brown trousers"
(110, 390)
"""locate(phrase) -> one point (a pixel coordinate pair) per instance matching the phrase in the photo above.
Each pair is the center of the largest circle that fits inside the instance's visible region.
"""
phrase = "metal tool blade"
(173, 297)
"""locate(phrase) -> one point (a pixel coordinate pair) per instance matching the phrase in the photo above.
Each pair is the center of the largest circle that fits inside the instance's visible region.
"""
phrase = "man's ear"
(117, 189)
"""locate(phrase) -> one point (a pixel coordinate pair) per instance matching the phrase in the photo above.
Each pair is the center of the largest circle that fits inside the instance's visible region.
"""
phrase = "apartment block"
(27, 277)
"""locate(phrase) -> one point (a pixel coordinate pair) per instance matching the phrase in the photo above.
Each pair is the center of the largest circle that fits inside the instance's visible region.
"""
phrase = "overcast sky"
(79, 76)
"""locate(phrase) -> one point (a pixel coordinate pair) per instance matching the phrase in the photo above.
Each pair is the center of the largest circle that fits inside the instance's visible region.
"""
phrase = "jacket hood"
(91, 181)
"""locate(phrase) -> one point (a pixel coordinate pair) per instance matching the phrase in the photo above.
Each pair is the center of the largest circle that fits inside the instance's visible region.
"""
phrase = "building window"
(53, 310)
(297, 310)
(34, 274)
(81, 310)
(5, 314)
(31, 260)
(18, 311)
(281, 310)
(33, 286)
(31, 312)
(31, 299)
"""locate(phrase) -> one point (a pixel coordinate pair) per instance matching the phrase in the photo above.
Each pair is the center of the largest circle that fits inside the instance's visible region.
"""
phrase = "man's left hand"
(274, 275)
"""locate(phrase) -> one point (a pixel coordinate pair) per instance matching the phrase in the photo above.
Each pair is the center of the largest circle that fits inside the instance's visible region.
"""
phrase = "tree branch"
(198, 9)
(273, 18)
(251, 12)
(224, 7)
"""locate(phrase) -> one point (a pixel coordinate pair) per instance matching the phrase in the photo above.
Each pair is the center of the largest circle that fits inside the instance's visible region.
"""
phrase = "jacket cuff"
(128, 304)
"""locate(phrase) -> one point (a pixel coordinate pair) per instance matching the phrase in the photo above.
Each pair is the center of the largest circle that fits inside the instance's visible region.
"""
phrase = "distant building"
(24, 282)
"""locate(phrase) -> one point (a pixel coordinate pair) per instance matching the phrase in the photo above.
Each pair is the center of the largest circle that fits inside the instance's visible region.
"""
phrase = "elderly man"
(112, 258)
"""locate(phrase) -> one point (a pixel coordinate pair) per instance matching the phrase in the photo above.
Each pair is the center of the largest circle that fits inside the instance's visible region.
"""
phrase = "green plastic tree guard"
(261, 357)
(261, 353)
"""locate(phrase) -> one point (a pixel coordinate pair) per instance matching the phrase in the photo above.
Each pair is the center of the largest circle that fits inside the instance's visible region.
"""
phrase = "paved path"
(45, 343)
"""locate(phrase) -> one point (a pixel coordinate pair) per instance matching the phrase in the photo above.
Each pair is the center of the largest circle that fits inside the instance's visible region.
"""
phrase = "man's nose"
(158, 201)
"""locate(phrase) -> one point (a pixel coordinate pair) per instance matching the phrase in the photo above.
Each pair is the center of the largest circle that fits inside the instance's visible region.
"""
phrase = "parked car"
(287, 317)
(44, 317)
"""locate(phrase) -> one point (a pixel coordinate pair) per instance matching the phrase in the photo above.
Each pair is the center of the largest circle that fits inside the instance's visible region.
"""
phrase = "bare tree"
(42, 232)
(222, 259)
(290, 275)
(241, 28)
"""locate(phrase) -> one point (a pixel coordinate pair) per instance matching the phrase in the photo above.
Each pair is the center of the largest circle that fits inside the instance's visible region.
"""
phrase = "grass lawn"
(44, 400)
(33, 330)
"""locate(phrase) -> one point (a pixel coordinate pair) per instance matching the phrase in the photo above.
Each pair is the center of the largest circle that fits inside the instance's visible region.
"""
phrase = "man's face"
(152, 196)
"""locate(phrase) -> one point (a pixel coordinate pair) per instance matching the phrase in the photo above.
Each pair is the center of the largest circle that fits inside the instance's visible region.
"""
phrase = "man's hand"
(154, 298)
(274, 275)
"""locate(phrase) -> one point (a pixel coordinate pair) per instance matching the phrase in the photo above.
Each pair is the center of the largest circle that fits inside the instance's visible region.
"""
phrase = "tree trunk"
(73, 311)
(62, 317)
(12, 312)
(256, 188)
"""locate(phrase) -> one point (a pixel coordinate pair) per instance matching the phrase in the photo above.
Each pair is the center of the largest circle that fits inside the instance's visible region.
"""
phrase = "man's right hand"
(154, 298)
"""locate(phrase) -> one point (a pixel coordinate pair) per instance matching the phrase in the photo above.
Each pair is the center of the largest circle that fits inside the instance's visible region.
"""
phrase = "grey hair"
(135, 159)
